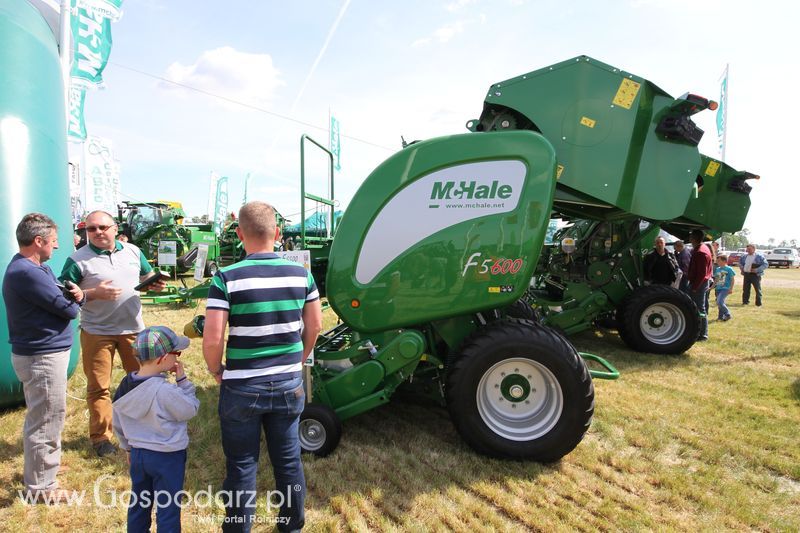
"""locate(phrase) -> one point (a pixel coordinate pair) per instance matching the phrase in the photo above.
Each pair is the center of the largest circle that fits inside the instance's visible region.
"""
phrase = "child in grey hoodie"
(150, 416)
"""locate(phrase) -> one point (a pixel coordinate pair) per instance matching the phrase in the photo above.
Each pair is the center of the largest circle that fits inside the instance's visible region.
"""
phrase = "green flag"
(110, 9)
(221, 204)
(76, 127)
(91, 34)
(335, 144)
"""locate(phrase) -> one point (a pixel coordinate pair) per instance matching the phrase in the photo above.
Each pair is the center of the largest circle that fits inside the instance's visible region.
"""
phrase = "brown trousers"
(97, 353)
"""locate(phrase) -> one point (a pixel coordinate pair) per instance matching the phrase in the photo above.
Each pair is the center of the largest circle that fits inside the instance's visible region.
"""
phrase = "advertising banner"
(167, 253)
(76, 127)
(101, 175)
(75, 203)
(722, 113)
(298, 256)
(200, 262)
(110, 9)
(91, 33)
(221, 204)
(335, 144)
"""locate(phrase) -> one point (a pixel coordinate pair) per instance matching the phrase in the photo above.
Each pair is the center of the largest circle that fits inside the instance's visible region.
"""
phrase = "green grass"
(702, 441)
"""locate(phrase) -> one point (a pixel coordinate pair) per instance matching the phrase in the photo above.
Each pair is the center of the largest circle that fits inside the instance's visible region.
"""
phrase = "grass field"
(708, 440)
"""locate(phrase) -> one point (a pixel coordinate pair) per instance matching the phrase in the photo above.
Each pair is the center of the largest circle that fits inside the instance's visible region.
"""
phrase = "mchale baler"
(431, 267)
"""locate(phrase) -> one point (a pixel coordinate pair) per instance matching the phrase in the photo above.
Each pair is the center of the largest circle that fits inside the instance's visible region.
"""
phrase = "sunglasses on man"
(92, 229)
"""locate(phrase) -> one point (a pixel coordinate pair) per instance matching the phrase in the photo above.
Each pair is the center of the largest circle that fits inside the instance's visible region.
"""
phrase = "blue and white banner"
(221, 204)
(246, 185)
(722, 113)
(335, 144)
(212, 196)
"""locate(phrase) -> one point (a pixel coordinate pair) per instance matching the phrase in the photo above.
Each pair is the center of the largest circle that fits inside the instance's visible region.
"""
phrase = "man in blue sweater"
(39, 315)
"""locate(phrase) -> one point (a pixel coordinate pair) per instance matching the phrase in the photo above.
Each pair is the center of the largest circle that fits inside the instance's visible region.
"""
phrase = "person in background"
(122, 237)
(660, 265)
(261, 384)
(107, 270)
(683, 256)
(39, 313)
(723, 286)
(700, 269)
(752, 264)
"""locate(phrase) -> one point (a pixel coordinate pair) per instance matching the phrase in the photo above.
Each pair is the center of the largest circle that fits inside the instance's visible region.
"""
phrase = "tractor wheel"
(320, 429)
(521, 309)
(659, 319)
(521, 391)
(211, 269)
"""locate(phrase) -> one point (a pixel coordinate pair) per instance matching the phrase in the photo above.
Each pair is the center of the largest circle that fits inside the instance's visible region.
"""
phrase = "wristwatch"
(218, 372)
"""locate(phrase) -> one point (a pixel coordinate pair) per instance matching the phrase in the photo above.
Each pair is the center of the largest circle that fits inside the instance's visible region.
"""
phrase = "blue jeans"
(244, 411)
(700, 299)
(156, 478)
(721, 306)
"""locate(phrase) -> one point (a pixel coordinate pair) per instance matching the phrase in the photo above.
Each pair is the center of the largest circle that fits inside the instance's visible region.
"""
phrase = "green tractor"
(440, 253)
(147, 224)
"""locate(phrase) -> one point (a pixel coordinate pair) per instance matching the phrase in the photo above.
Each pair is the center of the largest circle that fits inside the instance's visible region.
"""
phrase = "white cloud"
(240, 76)
(442, 34)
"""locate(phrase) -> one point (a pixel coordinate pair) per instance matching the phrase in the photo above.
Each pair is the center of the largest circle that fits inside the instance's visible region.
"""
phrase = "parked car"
(733, 258)
(783, 257)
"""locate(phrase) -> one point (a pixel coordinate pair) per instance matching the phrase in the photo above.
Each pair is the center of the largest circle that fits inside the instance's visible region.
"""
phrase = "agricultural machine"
(147, 224)
(438, 272)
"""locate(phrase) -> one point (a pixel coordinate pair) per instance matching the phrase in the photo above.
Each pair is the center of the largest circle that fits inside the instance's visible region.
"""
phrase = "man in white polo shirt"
(107, 271)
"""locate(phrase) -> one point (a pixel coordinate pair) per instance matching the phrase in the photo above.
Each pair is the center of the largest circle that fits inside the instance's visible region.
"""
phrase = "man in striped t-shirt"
(273, 310)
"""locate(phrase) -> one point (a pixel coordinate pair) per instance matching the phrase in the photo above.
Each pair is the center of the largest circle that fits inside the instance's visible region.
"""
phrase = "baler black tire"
(327, 427)
(568, 392)
(521, 309)
(673, 306)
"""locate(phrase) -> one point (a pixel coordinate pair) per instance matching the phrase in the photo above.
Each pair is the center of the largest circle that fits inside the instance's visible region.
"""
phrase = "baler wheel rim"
(319, 430)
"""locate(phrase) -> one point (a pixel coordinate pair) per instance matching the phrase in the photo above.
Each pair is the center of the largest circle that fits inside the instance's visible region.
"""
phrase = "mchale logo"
(469, 190)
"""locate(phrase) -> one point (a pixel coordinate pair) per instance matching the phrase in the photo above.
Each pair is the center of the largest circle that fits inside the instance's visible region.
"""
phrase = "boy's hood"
(139, 401)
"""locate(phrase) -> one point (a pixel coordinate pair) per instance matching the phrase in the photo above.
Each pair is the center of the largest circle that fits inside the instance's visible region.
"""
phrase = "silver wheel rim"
(662, 323)
(519, 414)
(312, 434)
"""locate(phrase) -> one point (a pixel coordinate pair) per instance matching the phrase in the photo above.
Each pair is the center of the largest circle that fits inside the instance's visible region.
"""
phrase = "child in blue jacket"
(723, 285)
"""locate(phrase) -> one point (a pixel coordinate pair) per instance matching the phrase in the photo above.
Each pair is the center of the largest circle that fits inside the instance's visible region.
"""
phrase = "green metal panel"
(723, 200)
(33, 149)
(602, 122)
(445, 227)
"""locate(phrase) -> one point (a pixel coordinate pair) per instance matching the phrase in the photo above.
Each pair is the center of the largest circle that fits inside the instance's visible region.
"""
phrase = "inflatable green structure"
(33, 150)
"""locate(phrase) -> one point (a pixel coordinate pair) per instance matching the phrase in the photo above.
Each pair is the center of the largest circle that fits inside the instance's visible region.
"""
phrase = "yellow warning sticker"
(626, 93)
(494, 290)
(559, 170)
(586, 121)
(712, 168)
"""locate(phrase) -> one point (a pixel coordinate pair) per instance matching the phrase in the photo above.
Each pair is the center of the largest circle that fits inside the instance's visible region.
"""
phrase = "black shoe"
(758, 305)
(745, 303)
(702, 339)
(104, 449)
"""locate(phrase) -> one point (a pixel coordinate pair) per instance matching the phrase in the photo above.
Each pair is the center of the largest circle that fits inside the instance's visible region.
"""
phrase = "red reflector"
(712, 105)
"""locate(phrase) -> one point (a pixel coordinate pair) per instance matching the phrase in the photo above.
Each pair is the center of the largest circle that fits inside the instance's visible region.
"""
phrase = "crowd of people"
(258, 368)
(702, 268)
(260, 380)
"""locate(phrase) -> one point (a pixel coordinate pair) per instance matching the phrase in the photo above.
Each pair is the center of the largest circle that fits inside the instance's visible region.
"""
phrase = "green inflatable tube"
(33, 151)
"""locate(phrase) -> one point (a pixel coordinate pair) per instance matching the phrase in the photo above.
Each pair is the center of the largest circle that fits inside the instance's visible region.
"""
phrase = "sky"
(194, 87)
